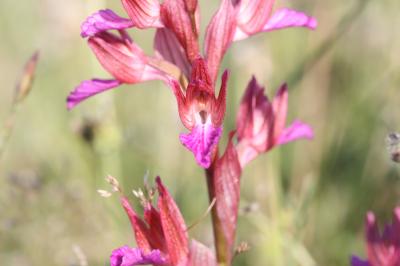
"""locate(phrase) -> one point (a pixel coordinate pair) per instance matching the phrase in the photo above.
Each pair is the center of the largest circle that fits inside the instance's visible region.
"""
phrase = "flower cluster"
(161, 236)
(178, 60)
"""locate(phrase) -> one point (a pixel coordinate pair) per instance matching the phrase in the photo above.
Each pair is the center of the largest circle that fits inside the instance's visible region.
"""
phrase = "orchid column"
(192, 77)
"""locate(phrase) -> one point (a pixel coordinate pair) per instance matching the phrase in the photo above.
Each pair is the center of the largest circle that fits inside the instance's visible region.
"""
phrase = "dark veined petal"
(200, 72)
(253, 15)
(124, 59)
(89, 88)
(219, 36)
(168, 47)
(201, 141)
(254, 122)
(176, 18)
(174, 227)
(143, 13)
(260, 123)
(104, 20)
(126, 256)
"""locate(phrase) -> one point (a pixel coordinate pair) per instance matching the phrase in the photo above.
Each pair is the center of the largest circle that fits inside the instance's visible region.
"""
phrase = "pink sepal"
(89, 88)
(104, 20)
(297, 130)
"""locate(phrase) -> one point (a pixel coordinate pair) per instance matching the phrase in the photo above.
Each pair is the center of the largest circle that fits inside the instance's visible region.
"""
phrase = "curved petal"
(173, 224)
(104, 20)
(124, 59)
(287, 18)
(219, 36)
(168, 47)
(89, 88)
(126, 256)
(143, 13)
(297, 130)
(201, 255)
(176, 18)
(201, 141)
(281, 19)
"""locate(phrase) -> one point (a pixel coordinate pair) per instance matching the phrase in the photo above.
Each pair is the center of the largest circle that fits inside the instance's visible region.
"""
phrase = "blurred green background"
(303, 204)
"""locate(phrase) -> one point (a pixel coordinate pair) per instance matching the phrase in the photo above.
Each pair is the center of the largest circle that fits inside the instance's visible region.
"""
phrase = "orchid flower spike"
(177, 56)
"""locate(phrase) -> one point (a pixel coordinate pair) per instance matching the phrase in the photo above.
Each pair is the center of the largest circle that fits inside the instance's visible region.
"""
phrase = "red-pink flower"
(161, 236)
(261, 123)
(383, 249)
(201, 112)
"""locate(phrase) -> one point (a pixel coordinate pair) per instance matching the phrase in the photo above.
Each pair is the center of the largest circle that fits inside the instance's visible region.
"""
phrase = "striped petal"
(104, 20)
(89, 88)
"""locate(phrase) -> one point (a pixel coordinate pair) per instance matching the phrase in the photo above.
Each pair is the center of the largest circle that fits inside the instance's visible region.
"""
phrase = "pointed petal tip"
(287, 18)
(89, 88)
(159, 183)
(225, 75)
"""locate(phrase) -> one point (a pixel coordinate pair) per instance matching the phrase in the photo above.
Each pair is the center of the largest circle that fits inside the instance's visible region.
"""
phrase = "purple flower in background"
(383, 249)
(126, 256)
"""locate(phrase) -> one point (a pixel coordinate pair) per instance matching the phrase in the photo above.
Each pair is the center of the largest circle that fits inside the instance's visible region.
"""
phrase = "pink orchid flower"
(161, 236)
(382, 249)
(201, 112)
(261, 124)
(177, 56)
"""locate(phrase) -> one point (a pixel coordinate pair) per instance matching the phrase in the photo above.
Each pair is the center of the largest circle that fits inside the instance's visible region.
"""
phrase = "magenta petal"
(355, 261)
(286, 18)
(104, 20)
(297, 130)
(126, 256)
(201, 141)
(88, 88)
